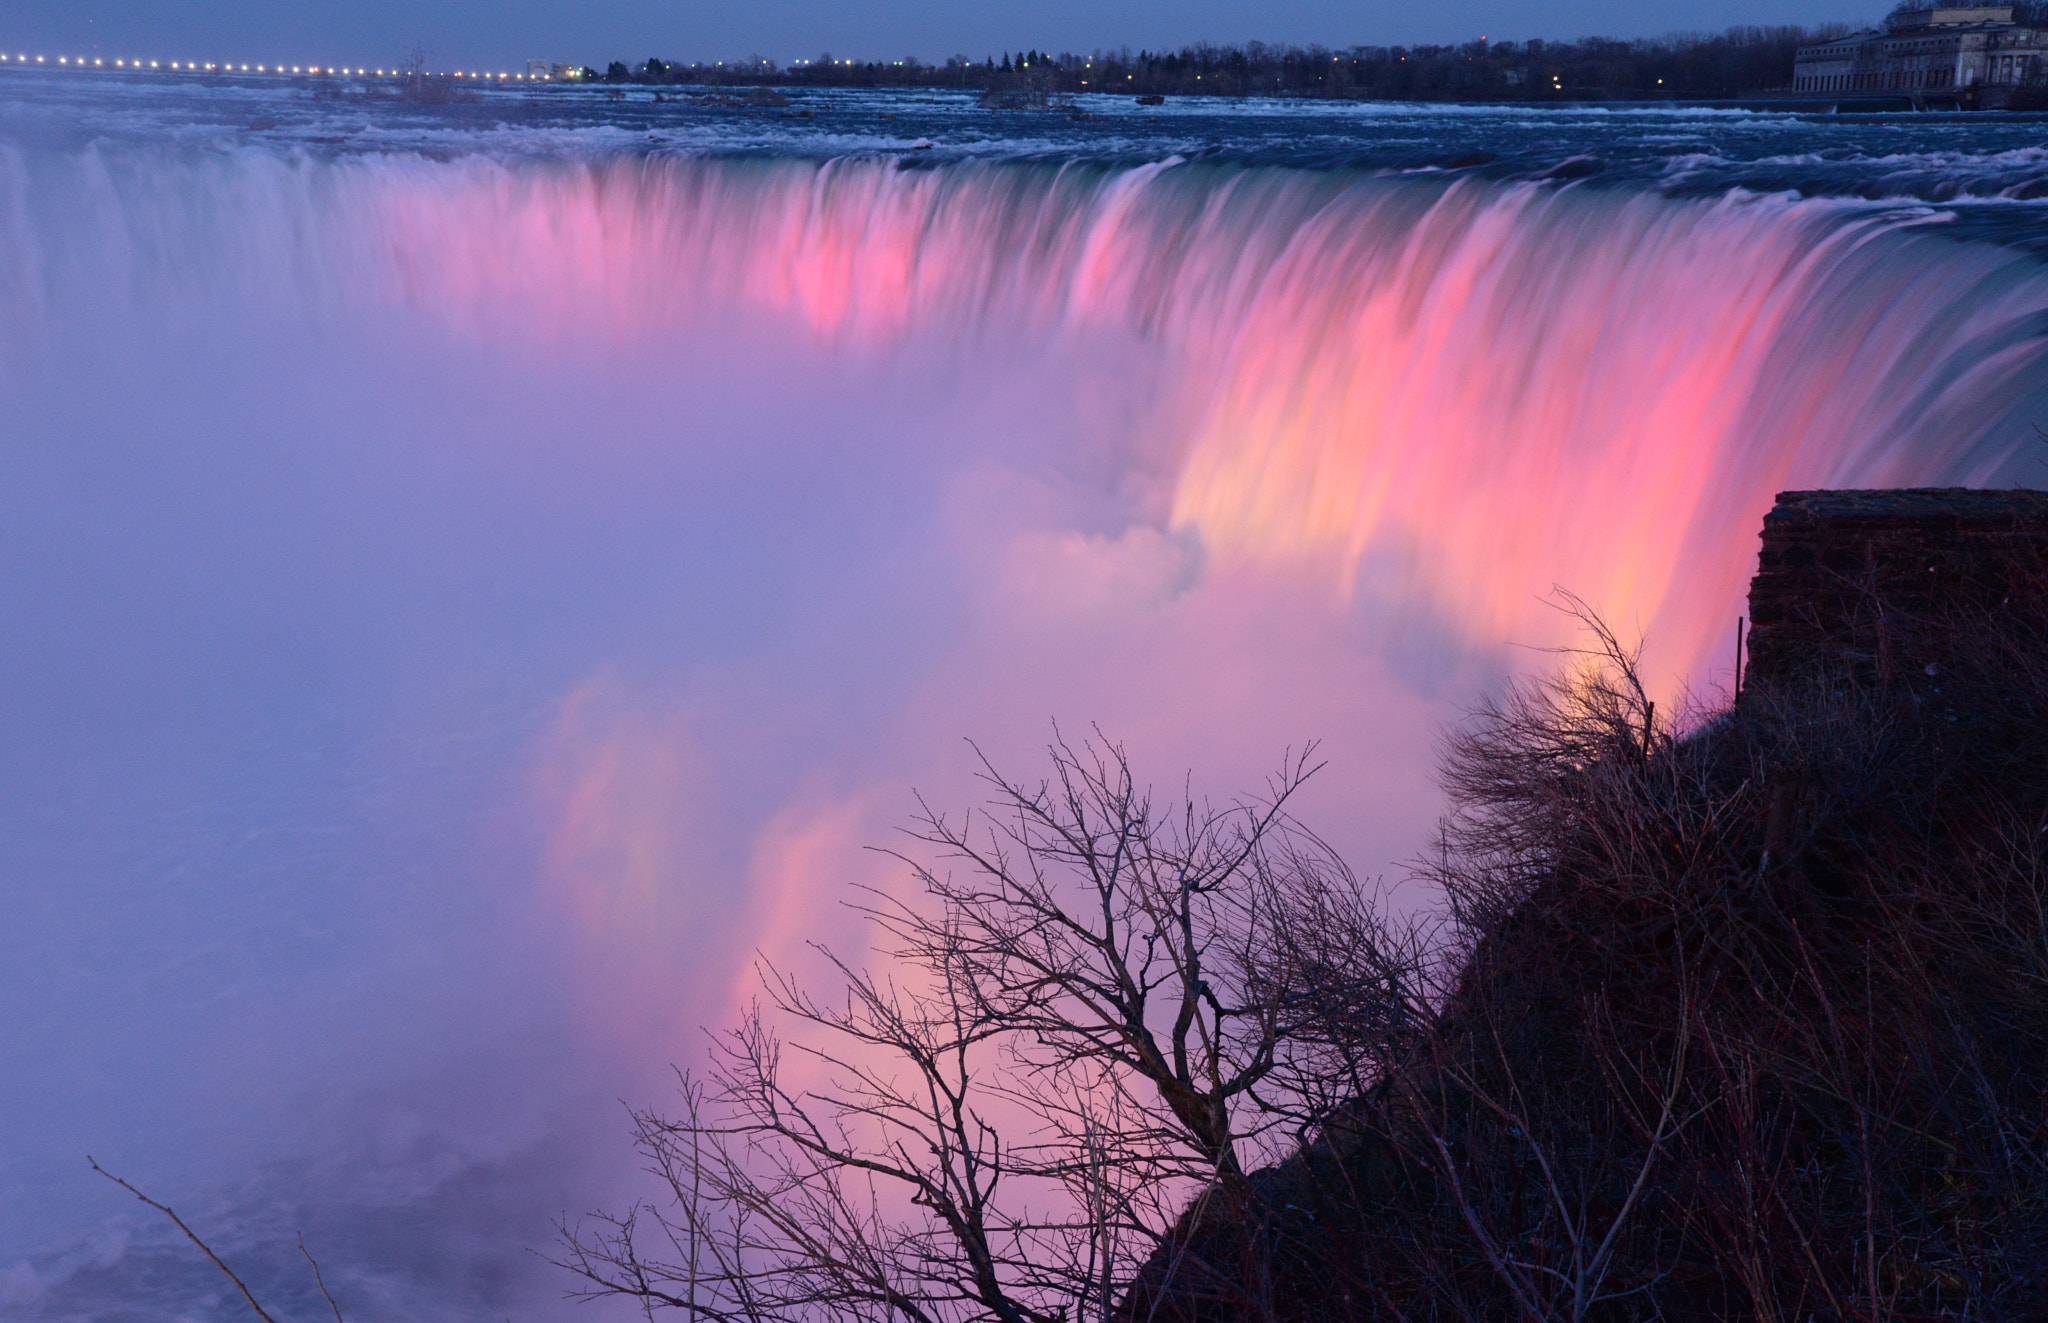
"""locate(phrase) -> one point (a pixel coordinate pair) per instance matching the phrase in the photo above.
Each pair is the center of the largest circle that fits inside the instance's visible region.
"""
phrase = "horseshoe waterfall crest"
(461, 604)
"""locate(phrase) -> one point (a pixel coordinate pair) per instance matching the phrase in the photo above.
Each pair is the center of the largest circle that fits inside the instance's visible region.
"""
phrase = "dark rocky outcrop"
(1814, 927)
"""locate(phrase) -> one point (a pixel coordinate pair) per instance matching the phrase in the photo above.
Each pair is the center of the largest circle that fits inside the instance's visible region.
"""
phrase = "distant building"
(540, 69)
(1975, 58)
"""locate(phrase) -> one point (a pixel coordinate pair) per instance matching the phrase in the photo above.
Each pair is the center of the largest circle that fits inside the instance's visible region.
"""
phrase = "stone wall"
(1846, 578)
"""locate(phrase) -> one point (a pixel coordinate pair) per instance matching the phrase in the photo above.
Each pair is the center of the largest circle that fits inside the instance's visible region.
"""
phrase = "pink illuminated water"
(1455, 395)
(457, 610)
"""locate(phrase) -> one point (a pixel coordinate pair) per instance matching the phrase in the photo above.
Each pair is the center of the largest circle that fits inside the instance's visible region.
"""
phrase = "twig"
(318, 1280)
(193, 1236)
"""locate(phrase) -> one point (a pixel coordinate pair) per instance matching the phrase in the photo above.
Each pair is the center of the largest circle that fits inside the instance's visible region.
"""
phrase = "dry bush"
(1749, 1022)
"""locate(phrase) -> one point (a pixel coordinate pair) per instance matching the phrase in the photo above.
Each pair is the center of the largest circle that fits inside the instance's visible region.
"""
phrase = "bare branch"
(190, 1235)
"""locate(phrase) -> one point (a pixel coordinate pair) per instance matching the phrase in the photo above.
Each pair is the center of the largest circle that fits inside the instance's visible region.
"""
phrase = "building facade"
(1975, 57)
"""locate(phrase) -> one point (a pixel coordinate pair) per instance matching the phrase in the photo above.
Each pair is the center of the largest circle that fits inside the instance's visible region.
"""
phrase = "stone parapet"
(1845, 577)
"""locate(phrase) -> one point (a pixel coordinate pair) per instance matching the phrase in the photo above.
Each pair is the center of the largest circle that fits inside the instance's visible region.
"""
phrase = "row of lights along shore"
(195, 66)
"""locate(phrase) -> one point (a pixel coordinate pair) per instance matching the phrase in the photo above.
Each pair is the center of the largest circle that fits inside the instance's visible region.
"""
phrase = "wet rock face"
(1857, 583)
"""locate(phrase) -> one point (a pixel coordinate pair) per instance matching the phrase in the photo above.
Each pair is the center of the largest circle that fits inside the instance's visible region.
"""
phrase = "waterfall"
(458, 608)
(1458, 392)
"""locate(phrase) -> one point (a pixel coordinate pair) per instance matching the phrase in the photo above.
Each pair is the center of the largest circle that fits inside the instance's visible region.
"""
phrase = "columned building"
(1974, 57)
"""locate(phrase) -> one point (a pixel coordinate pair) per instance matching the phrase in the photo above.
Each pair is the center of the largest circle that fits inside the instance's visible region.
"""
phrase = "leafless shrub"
(1750, 1019)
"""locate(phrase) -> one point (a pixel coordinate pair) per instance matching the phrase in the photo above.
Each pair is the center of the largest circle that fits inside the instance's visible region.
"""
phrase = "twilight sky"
(501, 33)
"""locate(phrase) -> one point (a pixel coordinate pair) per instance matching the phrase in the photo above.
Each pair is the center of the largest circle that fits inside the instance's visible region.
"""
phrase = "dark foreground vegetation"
(1741, 1018)
(1690, 66)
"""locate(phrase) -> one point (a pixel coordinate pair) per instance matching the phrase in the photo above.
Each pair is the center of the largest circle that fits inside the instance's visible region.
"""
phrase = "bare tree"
(1079, 1011)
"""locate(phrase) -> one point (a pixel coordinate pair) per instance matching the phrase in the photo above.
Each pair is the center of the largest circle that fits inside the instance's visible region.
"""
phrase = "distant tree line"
(1681, 66)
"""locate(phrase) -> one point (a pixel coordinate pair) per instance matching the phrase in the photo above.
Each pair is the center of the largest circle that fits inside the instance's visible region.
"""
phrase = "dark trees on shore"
(1691, 66)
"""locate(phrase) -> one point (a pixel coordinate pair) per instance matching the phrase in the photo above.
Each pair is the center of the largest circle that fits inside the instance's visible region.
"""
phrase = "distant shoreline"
(1736, 66)
(1743, 68)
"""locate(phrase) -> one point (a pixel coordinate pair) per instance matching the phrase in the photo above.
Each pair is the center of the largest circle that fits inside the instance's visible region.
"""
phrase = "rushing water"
(475, 574)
